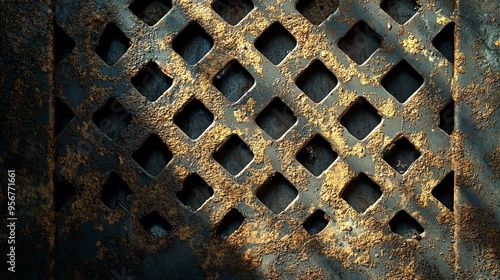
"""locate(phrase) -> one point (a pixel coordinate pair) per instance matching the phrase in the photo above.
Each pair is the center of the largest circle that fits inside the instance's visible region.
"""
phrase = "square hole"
(316, 222)
(444, 42)
(193, 43)
(115, 191)
(400, 10)
(317, 155)
(64, 191)
(277, 193)
(234, 155)
(445, 191)
(63, 116)
(275, 43)
(360, 119)
(195, 192)
(153, 155)
(232, 11)
(402, 81)
(150, 11)
(317, 81)
(405, 225)
(317, 11)
(155, 224)
(401, 154)
(194, 119)
(276, 119)
(151, 81)
(233, 81)
(113, 44)
(63, 44)
(360, 42)
(112, 118)
(361, 193)
(447, 118)
(230, 223)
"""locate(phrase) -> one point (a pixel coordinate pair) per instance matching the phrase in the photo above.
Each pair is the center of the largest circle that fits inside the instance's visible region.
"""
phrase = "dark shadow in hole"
(445, 191)
(401, 154)
(360, 119)
(230, 223)
(360, 42)
(316, 222)
(193, 43)
(361, 193)
(112, 118)
(234, 155)
(115, 191)
(405, 225)
(400, 10)
(317, 11)
(63, 116)
(317, 155)
(276, 118)
(277, 193)
(233, 81)
(275, 43)
(194, 119)
(195, 192)
(64, 191)
(155, 224)
(151, 81)
(317, 81)
(444, 42)
(153, 155)
(150, 11)
(447, 118)
(63, 44)
(112, 45)
(402, 81)
(232, 11)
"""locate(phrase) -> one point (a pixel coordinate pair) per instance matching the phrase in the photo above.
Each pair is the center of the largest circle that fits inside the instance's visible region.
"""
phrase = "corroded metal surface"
(275, 139)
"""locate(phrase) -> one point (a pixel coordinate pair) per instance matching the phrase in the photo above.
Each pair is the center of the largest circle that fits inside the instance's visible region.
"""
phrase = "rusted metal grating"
(263, 139)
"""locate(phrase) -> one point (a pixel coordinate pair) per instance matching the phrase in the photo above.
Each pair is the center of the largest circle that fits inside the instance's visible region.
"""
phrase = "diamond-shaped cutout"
(195, 192)
(115, 191)
(400, 10)
(402, 81)
(317, 155)
(360, 119)
(401, 154)
(444, 42)
(155, 224)
(317, 81)
(277, 193)
(361, 193)
(153, 155)
(112, 118)
(447, 118)
(151, 81)
(64, 191)
(194, 119)
(405, 225)
(113, 44)
(316, 222)
(445, 191)
(230, 223)
(233, 81)
(63, 116)
(234, 155)
(150, 11)
(360, 42)
(63, 44)
(275, 43)
(232, 11)
(276, 119)
(193, 43)
(317, 11)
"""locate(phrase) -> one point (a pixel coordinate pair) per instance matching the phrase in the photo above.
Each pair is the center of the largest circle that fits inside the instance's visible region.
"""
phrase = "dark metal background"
(134, 124)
